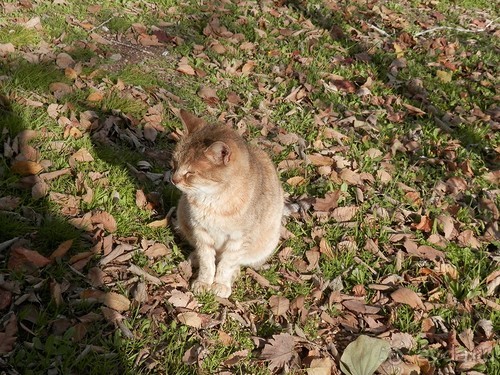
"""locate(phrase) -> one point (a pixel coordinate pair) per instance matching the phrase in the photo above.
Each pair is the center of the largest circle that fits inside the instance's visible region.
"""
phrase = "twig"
(131, 46)
(461, 29)
(101, 25)
(380, 31)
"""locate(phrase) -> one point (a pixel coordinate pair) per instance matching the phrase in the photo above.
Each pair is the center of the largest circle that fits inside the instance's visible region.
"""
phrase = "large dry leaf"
(279, 350)
(351, 177)
(190, 318)
(26, 167)
(7, 48)
(62, 249)
(157, 250)
(25, 259)
(279, 305)
(343, 214)
(106, 219)
(112, 300)
(364, 355)
(321, 366)
(40, 189)
(9, 336)
(448, 226)
(329, 202)
(63, 60)
(82, 155)
(407, 297)
(9, 203)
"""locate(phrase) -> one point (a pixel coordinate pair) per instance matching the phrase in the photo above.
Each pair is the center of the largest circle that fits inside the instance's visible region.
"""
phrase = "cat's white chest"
(220, 229)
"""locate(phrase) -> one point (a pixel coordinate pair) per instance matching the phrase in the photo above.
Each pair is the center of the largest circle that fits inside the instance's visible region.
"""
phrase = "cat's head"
(206, 157)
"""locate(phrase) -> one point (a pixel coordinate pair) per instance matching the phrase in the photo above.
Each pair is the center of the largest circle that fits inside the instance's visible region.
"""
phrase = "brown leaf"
(425, 224)
(456, 185)
(320, 160)
(296, 180)
(95, 96)
(55, 174)
(5, 298)
(60, 89)
(208, 94)
(63, 61)
(190, 318)
(62, 249)
(140, 199)
(40, 189)
(351, 177)
(26, 167)
(343, 214)
(185, 68)
(279, 350)
(9, 203)
(157, 250)
(112, 300)
(467, 239)
(248, 67)
(448, 225)
(236, 357)
(279, 305)
(407, 297)
(8, 337)
(82, 155)
(6, 49)
(150, 132)
(24, 259)
(106, 219)
(325, 248)
(493, 177)
(329, 202)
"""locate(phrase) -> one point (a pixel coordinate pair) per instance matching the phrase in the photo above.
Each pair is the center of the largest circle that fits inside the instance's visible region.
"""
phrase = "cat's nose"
(175, 179)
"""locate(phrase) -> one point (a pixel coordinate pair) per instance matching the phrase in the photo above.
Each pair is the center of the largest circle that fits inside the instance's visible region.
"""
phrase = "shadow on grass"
(470, 137)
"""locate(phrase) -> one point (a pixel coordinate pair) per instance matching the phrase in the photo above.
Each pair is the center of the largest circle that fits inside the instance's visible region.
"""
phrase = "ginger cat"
(231, 205)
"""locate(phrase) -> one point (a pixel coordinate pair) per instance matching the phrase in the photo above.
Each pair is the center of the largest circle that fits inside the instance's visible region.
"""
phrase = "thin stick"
(380, 31)
(101, 25)
(434, 29)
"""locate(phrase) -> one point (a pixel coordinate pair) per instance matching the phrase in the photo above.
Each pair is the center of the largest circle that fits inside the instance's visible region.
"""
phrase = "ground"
(382, 118)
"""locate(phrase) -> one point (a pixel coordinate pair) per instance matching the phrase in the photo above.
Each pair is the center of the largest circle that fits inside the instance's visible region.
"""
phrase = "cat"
(231, 205)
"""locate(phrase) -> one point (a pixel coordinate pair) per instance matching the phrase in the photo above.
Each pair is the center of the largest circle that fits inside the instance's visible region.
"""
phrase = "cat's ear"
(218, 153)
(191, 122)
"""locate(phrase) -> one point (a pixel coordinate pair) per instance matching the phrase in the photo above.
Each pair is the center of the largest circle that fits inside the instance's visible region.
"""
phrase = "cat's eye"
(189, 173)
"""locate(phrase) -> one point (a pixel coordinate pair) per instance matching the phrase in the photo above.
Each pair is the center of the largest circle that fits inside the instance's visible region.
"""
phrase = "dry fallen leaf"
(190, 318)
(62, 249)
(279, 305)
(63, 60)
(343, 214)
(8, 337)
(9, 203)
(95, 96)
(106, 219)
(329, 202)
(279, 350)
(26, 167)
(25, 259)
(157, 250)
(407, 297)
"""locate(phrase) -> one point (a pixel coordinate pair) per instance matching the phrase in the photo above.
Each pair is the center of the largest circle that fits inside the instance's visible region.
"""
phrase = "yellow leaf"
(96, 96)
(444, 76)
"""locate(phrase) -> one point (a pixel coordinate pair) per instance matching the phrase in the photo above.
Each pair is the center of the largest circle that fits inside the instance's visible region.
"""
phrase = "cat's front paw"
(199, 287)
(221, 290)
